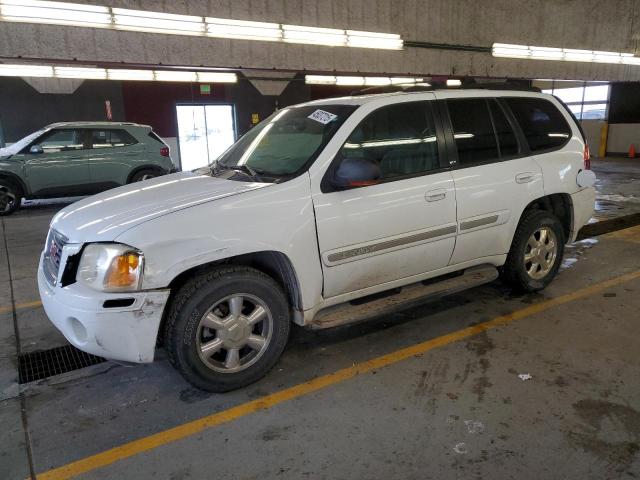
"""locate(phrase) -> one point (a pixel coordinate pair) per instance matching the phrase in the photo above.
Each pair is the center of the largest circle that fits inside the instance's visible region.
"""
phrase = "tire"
(205, 312)
(145, 174)
(522, 275)
(10, 196)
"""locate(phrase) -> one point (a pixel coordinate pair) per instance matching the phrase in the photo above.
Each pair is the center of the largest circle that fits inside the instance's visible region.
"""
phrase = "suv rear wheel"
(10, 197)
(536, 252)
(227, 328)
(146, 174)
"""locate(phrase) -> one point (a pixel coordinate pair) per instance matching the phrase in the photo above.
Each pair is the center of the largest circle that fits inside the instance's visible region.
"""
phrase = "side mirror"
(36, 149)
(356, 172)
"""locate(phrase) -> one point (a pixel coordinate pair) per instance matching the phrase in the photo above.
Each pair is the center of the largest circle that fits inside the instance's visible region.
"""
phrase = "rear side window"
(542, 123)
(111, 138)
(472, 130)
(400, 138)
(156, 137)
(507, 141)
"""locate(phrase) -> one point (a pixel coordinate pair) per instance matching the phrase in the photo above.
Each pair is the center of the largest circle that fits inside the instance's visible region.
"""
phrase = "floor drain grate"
(46, 363)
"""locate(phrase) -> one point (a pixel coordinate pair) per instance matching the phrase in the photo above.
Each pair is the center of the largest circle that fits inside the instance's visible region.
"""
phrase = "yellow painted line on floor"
(631, 234)
(21, 306)
(185, 430)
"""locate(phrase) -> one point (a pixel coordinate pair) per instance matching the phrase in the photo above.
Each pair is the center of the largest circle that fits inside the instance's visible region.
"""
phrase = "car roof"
(96, 124)
(442, 93)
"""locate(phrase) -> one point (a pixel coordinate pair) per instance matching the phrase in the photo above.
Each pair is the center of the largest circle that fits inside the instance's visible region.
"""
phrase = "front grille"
(46, 363)
(53, 255)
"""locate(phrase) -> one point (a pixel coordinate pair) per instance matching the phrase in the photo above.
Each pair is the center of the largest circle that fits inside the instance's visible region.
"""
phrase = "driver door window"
(400, 138)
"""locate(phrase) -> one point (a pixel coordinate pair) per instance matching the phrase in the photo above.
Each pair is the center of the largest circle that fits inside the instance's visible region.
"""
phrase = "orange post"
(632, 151)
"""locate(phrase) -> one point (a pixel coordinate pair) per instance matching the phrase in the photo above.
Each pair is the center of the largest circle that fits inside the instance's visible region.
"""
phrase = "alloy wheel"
(540, 253)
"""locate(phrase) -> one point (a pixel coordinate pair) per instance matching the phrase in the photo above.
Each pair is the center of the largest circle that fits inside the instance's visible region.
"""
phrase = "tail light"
(587, 157)
(164, 151)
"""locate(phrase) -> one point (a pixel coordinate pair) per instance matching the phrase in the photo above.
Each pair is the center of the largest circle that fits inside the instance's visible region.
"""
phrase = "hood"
(105, 216)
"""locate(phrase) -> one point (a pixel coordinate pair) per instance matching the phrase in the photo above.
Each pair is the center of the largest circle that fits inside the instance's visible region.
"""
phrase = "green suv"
(79, 158)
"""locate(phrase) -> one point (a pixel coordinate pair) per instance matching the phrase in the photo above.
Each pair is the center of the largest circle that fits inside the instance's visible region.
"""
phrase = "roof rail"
(410, 87)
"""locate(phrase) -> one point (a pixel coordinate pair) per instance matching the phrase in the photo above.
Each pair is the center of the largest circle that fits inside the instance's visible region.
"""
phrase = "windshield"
(20, 144)
(287, 142)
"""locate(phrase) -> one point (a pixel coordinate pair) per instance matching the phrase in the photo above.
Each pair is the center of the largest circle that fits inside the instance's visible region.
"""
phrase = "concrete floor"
(618, 186)
(456, 411)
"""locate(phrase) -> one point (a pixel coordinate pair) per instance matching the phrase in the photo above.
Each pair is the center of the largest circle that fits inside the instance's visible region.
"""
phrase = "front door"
(61, 167)
(401, 227)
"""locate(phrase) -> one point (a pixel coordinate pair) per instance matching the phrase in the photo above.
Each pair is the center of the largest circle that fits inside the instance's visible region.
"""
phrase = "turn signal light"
(587, 157)
(123, 271)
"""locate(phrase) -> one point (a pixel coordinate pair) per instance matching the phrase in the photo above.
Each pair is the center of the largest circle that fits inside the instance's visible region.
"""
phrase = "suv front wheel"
(10, 197)
(227, 328)
(536, 252)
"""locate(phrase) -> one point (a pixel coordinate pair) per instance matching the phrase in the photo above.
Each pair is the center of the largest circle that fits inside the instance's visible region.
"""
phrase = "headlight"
(111, 267)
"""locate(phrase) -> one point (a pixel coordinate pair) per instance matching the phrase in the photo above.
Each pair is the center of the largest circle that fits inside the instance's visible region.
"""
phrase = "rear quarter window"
(542, 124)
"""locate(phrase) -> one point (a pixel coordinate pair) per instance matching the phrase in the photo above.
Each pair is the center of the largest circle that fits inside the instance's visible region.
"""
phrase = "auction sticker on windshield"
(322, 116)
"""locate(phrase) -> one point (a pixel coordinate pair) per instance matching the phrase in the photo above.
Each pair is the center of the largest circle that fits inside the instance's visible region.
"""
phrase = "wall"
(585, 24)
(24, 110)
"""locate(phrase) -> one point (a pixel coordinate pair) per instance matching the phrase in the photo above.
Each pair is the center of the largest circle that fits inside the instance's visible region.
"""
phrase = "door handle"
(525, 177)
(435, 195)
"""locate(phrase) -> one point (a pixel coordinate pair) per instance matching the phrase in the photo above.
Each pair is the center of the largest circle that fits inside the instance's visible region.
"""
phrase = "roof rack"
(410, 87)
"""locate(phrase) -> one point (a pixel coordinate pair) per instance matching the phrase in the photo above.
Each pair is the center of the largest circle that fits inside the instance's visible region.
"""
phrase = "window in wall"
(111, 138)
(472, 130)
(541, 122)
(587, 102)
(62, 140)
(401, 138)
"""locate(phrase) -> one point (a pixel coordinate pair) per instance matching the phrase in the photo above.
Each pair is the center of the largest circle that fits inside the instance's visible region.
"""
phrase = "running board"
(408, 296)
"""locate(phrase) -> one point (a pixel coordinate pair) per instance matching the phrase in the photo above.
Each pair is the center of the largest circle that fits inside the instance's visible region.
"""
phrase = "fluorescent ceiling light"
(92, 73)
(316, 36)
(58, 13)
(320, 79)
(80, 72)
(563, 54)
(224, 28)
(141, 20)
(63, 13)
(349, 81)
(217, 77)
(389, 41)
(122, 74)
(175, 76)
(357, 80)
(26, 70)
(453, 82)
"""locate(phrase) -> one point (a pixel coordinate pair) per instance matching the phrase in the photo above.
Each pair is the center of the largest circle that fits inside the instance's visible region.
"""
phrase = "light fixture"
(122, 74)
(80, 72)
(562, 54)
(331, 37)
(388, 41)
(59, 13)
(93, 73)
(217, 77)
(25, 70)
(348, 80)
(141, 20)
(63, 13)
(453, 82)
(175, 76)
(225, 28)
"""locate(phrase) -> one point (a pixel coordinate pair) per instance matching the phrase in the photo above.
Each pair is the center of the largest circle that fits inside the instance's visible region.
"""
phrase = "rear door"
(401, 227)
(114, 154)
(494, 175)
(61, 168)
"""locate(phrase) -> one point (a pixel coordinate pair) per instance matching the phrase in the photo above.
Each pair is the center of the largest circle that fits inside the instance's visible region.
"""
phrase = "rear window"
(543, 125)
(111, 138)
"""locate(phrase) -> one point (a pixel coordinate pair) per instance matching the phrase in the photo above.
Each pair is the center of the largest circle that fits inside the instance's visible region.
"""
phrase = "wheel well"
(560, 205)
(16, 180)
(275, 264)
(144, 167)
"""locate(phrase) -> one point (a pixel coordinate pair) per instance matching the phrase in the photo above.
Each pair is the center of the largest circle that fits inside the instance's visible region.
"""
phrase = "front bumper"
(121, 333)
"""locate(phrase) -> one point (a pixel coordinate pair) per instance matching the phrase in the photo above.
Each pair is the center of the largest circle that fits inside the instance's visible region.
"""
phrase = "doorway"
(204, 132)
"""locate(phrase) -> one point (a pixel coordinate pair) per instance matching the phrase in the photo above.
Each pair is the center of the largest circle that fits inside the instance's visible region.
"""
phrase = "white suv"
(321, 204)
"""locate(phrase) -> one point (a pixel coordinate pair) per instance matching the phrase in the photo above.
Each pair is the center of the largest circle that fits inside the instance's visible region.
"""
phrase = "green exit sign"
(205, 89)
